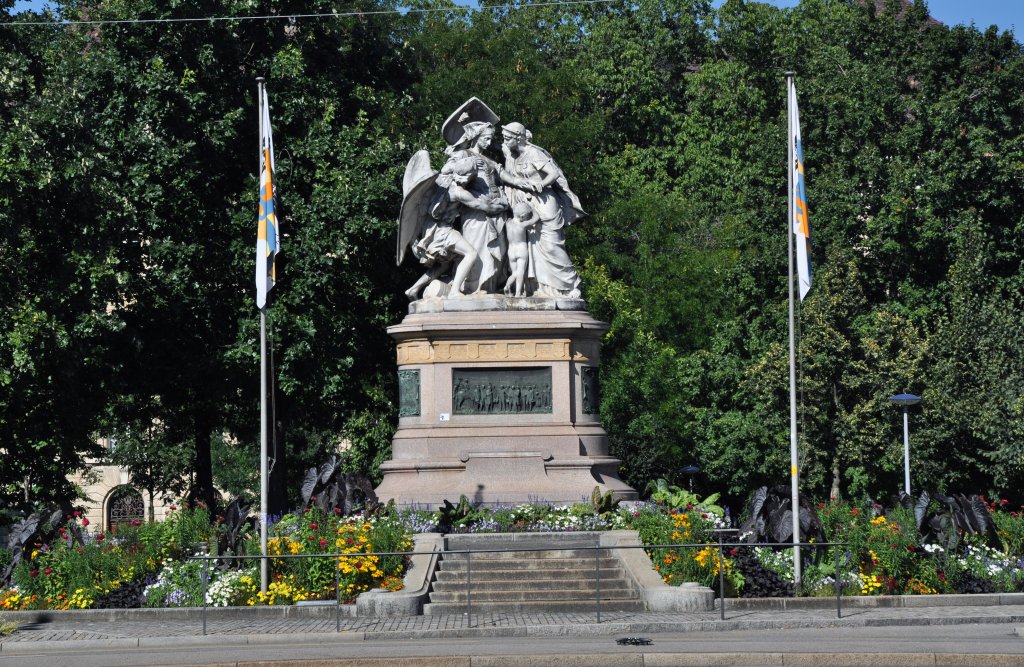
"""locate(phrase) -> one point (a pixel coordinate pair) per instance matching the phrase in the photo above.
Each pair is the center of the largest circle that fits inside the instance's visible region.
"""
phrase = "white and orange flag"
(267, 238)
(801, 221)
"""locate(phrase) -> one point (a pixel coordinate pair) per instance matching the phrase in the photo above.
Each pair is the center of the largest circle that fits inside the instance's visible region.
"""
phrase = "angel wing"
(471, 110)
(417, 188)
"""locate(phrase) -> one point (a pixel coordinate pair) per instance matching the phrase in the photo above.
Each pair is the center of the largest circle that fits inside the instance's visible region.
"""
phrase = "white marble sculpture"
(482, 220)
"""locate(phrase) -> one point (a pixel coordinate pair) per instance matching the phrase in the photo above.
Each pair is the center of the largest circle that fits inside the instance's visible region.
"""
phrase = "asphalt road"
(969, 645)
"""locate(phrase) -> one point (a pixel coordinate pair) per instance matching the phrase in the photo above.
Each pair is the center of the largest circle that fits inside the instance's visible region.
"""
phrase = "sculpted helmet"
(515, 129)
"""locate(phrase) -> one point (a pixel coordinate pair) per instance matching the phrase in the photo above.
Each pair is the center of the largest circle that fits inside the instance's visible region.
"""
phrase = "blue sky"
(1007, 14)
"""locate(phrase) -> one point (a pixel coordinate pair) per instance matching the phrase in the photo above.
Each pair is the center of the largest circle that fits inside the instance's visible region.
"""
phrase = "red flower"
(312, 499)
(314, 525)
(733, 552)
(323, 543)
(220, 518)
(337, 510)
(77, 514)
(1002, 501)
(33, 573)
(349, 541)
(136, 522)
(174, 507)
(48, 571)
(85, 522)
(689, 506)
(821, 506)
(942, 576)
(855, 511)
(100, 537)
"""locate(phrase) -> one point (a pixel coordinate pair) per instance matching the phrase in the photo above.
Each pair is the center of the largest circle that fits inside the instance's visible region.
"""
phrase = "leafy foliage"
(663, 493)
(946, 519)
(331, 488)
(128, 213)
(770, 517)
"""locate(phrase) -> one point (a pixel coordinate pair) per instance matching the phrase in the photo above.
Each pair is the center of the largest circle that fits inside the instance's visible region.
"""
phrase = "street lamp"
(906, 400)
(690, 470)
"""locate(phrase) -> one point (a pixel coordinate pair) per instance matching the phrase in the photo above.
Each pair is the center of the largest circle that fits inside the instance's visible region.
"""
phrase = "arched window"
(125, 505)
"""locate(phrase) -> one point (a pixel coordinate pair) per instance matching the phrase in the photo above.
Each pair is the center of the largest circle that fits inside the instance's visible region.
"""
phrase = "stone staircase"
(560, 577)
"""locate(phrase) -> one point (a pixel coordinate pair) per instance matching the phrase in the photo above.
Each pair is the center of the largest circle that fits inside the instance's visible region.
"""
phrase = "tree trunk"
(204, 490)
(834, 493)
(277, 496)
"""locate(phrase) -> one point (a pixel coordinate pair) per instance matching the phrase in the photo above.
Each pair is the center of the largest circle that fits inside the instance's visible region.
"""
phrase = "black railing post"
(206, 566)
(721, 577)
(337, 590)
(839, 586)
(597, 581)
(469, 587)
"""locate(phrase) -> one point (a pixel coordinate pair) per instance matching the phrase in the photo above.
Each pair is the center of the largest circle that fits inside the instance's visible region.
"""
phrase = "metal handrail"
(720, 545)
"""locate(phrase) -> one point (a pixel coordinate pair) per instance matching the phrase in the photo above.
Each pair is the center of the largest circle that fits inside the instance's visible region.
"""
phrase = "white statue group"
(501, 226)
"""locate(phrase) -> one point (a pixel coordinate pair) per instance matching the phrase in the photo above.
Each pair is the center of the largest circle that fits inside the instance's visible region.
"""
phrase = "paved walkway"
(314, 624)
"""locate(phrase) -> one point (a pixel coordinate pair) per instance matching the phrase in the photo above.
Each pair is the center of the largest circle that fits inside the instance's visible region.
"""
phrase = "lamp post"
(690, 470)
(906, 400)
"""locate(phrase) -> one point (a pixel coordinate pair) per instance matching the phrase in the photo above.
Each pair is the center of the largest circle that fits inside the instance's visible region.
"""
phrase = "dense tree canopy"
(127, 201)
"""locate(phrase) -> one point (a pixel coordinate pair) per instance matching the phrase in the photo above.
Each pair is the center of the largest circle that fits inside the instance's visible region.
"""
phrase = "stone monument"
(498, 358)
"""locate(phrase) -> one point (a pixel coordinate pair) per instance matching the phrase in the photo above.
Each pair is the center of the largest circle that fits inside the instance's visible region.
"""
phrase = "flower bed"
(148, 564)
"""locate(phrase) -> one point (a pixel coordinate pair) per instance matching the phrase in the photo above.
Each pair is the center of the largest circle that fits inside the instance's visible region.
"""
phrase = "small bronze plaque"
(409, 393)
(493, 391)
(591, 390)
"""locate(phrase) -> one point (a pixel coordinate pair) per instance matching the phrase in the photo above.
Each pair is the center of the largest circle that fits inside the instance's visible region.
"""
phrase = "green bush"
(179, 584)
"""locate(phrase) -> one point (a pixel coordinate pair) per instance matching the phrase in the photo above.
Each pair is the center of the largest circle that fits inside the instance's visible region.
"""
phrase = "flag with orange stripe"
(267, 238)
(801, 221)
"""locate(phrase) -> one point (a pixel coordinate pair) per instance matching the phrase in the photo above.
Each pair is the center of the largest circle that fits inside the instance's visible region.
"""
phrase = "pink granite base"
(557, 457)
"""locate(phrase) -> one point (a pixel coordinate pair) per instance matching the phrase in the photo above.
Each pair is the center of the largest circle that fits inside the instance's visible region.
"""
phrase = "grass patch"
(6, 627)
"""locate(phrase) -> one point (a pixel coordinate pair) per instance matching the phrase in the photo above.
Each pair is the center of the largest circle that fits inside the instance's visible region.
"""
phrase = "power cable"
(292, 17)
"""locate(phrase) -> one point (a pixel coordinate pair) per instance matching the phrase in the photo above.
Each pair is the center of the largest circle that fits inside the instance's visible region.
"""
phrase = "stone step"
(546, 606)
(555, 595)
(567, 564)
(519, 574)
(531, 584)
(522, 541)
(546, 554)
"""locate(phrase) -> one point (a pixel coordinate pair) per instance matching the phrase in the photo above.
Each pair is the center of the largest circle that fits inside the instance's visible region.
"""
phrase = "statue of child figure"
(523, 219)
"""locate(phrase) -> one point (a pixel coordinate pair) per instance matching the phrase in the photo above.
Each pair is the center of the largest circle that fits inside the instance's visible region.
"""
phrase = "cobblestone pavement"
(83, 626)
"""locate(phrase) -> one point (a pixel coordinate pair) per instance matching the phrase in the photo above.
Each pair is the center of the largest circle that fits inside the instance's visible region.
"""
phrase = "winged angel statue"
(501, 225)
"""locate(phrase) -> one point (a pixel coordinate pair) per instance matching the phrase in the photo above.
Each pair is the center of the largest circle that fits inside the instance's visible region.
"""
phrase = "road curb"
(735, 659)
(566, 630)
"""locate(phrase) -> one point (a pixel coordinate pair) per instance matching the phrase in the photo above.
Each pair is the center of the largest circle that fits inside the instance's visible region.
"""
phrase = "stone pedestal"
(499, 402)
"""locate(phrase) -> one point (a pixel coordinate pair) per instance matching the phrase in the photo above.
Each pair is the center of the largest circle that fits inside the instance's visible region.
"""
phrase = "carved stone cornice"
(426, 351)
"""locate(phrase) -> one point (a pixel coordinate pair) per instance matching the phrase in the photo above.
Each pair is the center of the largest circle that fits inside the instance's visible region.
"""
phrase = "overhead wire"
(322, 15)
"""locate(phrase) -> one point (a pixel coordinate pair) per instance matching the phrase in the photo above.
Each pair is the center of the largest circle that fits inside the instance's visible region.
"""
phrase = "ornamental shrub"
(179, 584)
(234, 588)
(68, 574)
(1010, 529)
(356, 543)
(892, 558)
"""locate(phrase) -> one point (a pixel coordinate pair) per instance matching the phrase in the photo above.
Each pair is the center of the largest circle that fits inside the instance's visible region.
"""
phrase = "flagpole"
(263, 391)
(794, 472)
